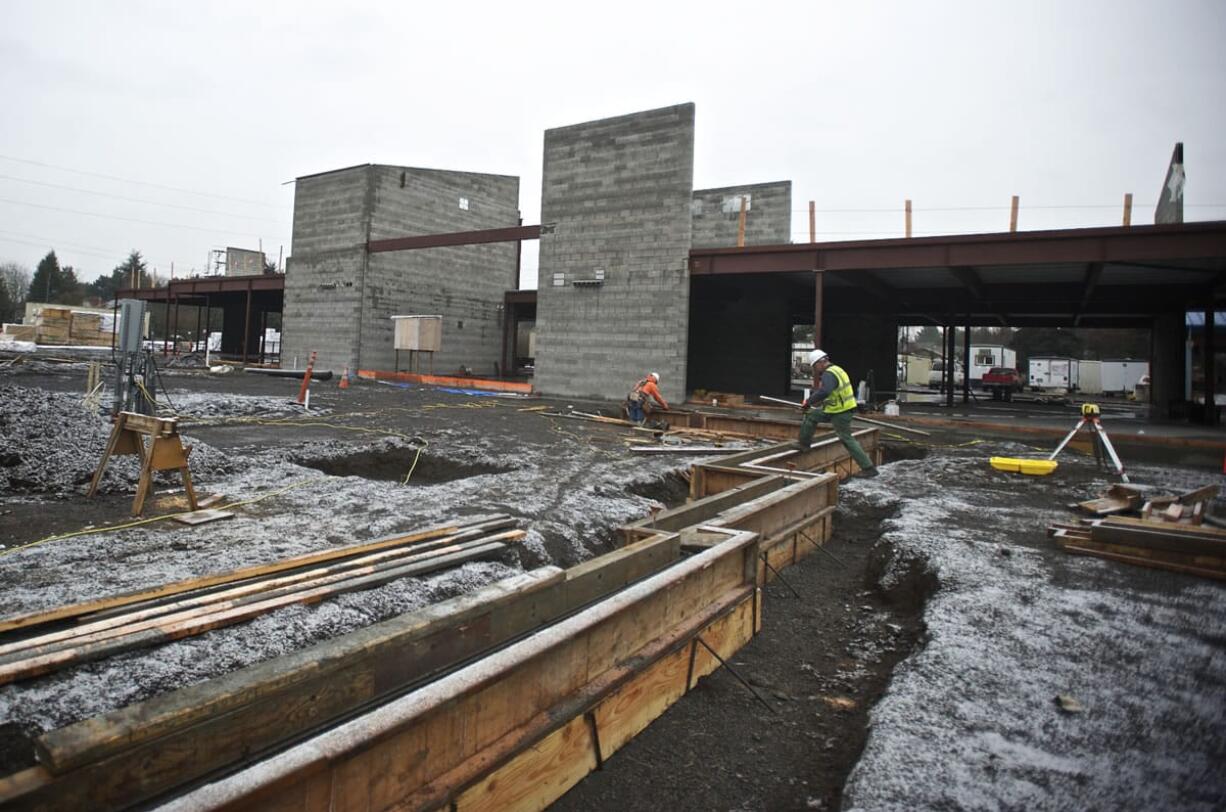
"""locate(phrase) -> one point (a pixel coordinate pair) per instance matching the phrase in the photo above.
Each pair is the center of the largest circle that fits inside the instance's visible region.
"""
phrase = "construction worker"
(833, 400)
(639, 401)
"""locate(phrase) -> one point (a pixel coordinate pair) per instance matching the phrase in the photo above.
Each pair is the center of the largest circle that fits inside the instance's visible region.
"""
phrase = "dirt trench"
(819, 665)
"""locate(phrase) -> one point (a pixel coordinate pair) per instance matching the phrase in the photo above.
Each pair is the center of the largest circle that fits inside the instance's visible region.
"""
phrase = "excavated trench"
(395, 464)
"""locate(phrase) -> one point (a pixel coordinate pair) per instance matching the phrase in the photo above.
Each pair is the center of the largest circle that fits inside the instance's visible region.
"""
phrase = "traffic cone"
(345, 379)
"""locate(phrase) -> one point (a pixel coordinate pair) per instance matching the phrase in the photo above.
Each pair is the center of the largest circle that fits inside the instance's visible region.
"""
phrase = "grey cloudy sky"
(171, 127)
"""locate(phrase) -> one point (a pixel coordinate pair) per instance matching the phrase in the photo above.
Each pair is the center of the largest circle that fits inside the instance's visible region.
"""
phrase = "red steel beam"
(512, 234)
(1080, 245)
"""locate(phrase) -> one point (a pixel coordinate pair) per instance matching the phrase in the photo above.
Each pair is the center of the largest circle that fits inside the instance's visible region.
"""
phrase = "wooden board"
(202, 516)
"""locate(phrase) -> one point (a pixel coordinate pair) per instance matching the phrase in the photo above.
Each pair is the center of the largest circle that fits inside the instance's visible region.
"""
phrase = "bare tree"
(14, 282)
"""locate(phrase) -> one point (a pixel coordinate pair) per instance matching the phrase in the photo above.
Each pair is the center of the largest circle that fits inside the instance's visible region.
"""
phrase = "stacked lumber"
(36, 644)
(20, 332)
(1188, 549)
(49, 324)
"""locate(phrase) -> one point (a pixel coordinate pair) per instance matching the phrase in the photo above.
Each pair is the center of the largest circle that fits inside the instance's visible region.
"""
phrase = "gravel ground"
(922, 676)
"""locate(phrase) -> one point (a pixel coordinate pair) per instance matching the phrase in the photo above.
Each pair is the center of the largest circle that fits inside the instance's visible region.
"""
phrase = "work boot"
(866, 473)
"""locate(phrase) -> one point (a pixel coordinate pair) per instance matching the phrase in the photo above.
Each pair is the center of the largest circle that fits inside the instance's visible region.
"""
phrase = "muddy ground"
(916, 669)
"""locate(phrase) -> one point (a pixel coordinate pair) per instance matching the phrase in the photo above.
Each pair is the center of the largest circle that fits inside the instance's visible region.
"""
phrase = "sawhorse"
(166, 452)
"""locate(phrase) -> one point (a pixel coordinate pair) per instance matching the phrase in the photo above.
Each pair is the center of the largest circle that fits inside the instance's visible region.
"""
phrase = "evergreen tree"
(130, 273)
(45, 283)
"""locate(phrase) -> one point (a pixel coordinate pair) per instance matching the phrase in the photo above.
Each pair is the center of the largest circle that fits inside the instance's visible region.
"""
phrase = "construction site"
(421, 556)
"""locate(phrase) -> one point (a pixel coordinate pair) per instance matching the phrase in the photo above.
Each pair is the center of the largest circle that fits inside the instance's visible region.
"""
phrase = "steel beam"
(511, 234)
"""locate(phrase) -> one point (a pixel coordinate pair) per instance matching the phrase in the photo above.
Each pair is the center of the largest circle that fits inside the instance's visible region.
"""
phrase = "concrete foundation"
(613, 284)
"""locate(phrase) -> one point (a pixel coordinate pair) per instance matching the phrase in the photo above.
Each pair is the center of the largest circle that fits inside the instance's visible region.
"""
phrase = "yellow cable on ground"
(98, 530)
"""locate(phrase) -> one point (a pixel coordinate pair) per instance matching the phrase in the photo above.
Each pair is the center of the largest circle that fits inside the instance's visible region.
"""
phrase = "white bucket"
(891, 409)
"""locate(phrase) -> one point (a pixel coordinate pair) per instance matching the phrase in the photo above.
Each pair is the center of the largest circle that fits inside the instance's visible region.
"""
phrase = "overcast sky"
(172, 128)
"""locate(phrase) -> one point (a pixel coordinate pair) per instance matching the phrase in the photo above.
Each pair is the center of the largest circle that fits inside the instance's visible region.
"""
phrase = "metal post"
(951, 339)
(1209, 367)
(966, 361)
(819, 282)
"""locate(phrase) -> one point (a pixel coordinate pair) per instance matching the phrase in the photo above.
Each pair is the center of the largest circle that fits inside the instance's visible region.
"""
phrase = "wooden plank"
(706, 508)
(1157, 539)
(185, 734)
(555, 658)
(224, 615)
(1153, 563)
(1191, 531)
(128, 598)
(148, 616)
(197, 517)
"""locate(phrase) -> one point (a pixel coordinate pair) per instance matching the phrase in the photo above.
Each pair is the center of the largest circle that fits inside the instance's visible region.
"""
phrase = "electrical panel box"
(131, 324)
(420, 333)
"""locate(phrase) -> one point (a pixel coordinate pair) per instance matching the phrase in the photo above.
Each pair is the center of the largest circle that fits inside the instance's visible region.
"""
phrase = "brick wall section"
(339, 301)
(617, 192)
(768, 218)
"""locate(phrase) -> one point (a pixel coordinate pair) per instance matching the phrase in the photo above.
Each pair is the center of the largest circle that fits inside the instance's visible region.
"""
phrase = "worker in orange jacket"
(639, 401)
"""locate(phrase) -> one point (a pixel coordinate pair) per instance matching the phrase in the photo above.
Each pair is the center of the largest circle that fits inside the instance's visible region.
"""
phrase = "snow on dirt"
(567, 489)
(971, 720)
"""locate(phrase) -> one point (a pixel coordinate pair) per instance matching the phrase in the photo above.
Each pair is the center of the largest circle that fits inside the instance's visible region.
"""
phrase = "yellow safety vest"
(842, 399)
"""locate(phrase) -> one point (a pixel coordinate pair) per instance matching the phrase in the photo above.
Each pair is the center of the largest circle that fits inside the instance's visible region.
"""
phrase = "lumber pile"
(1185, 548)
(65, 326)
(32, 645)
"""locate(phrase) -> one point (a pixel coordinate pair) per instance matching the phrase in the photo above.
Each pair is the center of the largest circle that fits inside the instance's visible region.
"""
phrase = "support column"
(966, 361)
(951, 338)
(818, 283)
(247, 325)
(1166, 366)
(1208, 364)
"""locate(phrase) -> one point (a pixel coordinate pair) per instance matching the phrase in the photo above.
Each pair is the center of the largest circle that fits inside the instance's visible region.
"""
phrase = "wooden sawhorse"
(165, 453)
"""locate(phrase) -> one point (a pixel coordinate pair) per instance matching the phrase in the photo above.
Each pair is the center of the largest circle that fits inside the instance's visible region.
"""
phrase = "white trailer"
(1053, 373)
(1120, 375)
(986, 356)
(1090, 377)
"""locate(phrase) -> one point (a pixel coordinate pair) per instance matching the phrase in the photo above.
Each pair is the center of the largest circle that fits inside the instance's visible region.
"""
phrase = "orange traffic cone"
(345, 379)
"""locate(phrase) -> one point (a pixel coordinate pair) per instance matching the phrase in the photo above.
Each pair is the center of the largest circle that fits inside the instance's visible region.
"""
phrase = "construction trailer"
(1054, 373)
(1121, 375)
(987, 356)
(1090, 377)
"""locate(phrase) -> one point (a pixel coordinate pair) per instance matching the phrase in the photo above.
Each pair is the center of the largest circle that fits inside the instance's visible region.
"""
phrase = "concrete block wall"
(465, 284)
(339, 300)
(323, 276)
(768, 217)
(615, 198)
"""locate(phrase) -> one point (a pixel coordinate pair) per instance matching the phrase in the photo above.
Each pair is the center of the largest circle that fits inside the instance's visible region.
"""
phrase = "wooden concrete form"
(517, 729)
(755, 427)
(484, 384)
(138, 752)
(501, 699)
(825, 455)
(791, 517)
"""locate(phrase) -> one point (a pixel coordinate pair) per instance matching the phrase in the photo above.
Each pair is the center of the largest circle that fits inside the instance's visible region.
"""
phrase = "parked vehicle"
(1002, 382)
(938, 370)
(985, 357)
(1090, 377)
(1053, 373)
(1122, 374)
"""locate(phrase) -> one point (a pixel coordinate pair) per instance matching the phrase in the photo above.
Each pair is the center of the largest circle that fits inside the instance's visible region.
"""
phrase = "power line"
(108, 254)
(139, 200)
(137, 182)
(130, 219)
(899, 210)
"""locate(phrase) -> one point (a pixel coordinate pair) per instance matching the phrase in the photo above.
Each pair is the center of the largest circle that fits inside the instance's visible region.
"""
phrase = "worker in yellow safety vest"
(834, 401)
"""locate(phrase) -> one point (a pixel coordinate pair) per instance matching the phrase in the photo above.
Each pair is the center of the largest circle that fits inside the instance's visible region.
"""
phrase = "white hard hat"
(655, 375)
(817, 355)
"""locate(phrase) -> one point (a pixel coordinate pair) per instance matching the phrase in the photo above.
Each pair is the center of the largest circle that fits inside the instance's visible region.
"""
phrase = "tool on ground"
(1090, 417)
(165, 453)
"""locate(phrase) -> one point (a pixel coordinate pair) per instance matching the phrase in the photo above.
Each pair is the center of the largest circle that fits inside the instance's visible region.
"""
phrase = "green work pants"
(841, 423)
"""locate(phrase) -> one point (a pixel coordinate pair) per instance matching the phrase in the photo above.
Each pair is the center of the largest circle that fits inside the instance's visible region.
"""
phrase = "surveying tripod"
(1090, 417)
